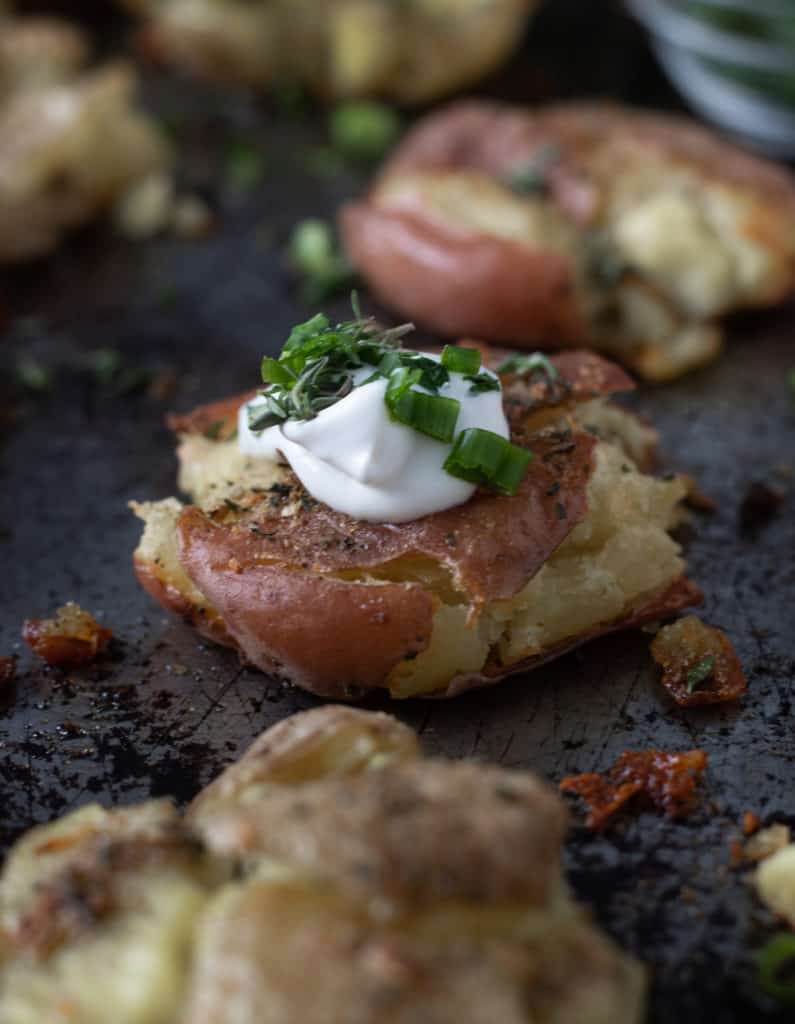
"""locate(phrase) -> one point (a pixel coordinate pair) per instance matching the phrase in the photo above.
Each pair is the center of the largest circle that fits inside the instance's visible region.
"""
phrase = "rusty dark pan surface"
(163, 712)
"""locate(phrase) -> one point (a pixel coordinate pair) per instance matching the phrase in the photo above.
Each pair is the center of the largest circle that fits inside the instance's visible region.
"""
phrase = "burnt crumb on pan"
(8, 671)
(666, 781)
(71, 638)
(761, 504)
(698, 662)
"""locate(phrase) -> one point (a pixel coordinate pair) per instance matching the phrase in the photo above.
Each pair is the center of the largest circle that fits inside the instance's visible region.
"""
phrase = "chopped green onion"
(700, 673)
(274, 372)
(429, 414)
(486, 459)
(529, 364)
(777, 968)
(460, 360)
(363, 130)
(482, 382)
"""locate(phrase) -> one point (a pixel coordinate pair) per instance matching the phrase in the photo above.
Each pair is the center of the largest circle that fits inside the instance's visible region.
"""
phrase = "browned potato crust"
(638, 230)
(449, 601)
(409, 888)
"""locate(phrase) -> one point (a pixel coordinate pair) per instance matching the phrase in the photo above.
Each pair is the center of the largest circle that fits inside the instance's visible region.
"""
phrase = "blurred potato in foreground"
(332, 876)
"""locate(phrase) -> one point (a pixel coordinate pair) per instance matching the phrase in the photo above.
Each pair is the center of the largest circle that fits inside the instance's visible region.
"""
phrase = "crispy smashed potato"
(775, 882)
(411, 52)
(408, 887)
(699, 663)
(69, 639)
(573, 225)
(459, 599)
(666, 781)
(73, 142)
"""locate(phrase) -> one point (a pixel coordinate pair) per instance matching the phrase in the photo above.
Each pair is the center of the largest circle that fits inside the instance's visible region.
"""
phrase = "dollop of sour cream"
(355, 458)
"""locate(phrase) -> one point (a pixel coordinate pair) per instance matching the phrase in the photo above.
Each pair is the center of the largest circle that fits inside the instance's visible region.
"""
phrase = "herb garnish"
(320, 364)
(530, 177)
(776, 963)
(700, 673)
(363, 130)
(315, 254)
(534, 363)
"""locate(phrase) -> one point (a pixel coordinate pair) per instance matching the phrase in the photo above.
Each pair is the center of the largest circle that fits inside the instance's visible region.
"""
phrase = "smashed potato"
(411, 52)
(73, 142)
(454, 600)
(570, 225)
(408, 886)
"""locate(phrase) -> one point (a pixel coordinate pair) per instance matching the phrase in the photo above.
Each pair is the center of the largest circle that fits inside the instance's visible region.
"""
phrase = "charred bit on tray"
(761, 504)
(667, 781)
(699, 663)
(8, 670)
(71, 638)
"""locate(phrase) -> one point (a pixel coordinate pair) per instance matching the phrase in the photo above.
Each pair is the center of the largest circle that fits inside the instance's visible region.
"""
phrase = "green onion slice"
(484, 458)
(460, 360)
(777, 968)
(429, 414)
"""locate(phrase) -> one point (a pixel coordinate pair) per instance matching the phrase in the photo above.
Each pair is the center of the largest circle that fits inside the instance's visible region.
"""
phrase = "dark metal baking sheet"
(163, 712)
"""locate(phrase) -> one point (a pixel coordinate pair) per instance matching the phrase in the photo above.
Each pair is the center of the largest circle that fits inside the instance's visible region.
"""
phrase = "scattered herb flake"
(531, 177)
(33, 376)
(213, 432)
(245, 166)
(700, 673)
(315, 254)
(363, 130)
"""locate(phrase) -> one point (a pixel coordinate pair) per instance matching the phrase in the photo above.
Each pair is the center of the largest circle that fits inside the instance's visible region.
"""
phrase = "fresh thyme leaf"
(533, 363)
(530, 178)
(700, 673)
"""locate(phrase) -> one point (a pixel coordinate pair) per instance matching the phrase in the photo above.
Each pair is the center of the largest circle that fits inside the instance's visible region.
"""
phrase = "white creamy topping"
(355, 458)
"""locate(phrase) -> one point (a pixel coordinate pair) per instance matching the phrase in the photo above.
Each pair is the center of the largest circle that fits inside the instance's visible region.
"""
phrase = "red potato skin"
(463, 282)
(359, 632)
(460, 283)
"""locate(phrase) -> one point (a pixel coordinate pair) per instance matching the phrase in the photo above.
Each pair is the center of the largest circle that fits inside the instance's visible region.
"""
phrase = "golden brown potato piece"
(73, 142)
(406, 887)
(410, 52)
(570, 225)
(458, 599)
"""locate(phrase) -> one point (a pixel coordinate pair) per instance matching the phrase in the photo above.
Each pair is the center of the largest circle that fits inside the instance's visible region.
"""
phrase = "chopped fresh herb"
(777, 968)
(487, 459)
(482, 382)
(112, 372)
(530, 364)
(245, 166)
(700, 673)
(363, 130)
(461, 360)
(33, 376)
(213, 432)
(314, 252)
(530, 177)
(604, 262)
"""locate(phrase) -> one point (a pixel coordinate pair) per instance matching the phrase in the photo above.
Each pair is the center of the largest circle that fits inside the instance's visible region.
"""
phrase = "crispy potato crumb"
(699, 663)
(71, 638)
